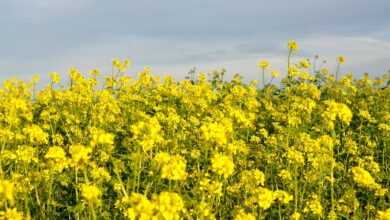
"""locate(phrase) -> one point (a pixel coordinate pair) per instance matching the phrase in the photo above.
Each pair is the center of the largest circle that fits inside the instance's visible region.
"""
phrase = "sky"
(173, 36)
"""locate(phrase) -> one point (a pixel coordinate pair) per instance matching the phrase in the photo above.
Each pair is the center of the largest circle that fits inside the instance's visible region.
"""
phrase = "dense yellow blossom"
(282, 196)
(363, 178)
(216, 132)
(6, 191)
(90, 193)
(56, 153)
(295, 216)
(285, 175)
(222, 165)
(140, 207)
(172, 167)
(57, 158)
(210, 188)
(146, 133)
(11, 214)
(252, 178)
(313, 144)
(241, 215)
(384, 215)
(35, 134)
(295, 157)
(101, 137)
(337, 110)
(261, 197)
(79, 153)
(314, 206)
(169, 205)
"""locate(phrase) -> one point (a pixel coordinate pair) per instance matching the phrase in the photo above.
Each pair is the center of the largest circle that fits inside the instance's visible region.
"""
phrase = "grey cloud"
(43, 35)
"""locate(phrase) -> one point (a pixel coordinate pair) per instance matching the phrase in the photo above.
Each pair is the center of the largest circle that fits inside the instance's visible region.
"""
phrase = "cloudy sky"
(172, 36)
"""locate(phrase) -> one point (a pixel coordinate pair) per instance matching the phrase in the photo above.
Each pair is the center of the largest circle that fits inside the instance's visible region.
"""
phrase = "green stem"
(262, 80)
(288, 65)
(77, 192)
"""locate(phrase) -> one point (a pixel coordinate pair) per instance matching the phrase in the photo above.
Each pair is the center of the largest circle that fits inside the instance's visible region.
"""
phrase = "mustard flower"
(222, 165)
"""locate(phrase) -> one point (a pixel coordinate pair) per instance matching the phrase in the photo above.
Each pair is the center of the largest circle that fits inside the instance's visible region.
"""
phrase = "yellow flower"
(252, 178)
(341, 59)
(285, 175)
(332, 215)
(140, 207)
(57, 160)
(263, 197)
(95, 72)
(172, 167)
(121, 66)
(26, 154)
(162, 158)
(314, 205)
(55, 77)
(222, 165)
(263, 64)
(147, 133)
(100, 137)
(211, 188)
(56, 153)
(242, 215)
(205, 210)
(225, 149)
(365, 114)
(292, 45)
(295, 157)
(35, 79)
(295, 216)
(381, 192)
(12, 214)
(195, 153)
(384, 215)
(175, 169)
(364, 178)
(282, 196)
(6, 191)
(216, 132)
(35, 134)
(90, 193)
(116, 63)
(339, 110)
(169, 205)
(79, 153)
(304, 63)
(275, 73)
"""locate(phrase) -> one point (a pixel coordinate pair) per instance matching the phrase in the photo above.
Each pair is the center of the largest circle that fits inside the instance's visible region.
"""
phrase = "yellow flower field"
(95, 146)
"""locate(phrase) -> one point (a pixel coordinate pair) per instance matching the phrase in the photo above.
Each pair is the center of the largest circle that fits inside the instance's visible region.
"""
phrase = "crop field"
(315, 145)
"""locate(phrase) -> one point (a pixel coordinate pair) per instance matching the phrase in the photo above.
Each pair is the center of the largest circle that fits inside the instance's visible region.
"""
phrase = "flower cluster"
(115, 146)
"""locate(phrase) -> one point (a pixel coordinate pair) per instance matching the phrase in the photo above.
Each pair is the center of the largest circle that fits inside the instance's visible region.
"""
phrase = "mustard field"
(110, 146)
